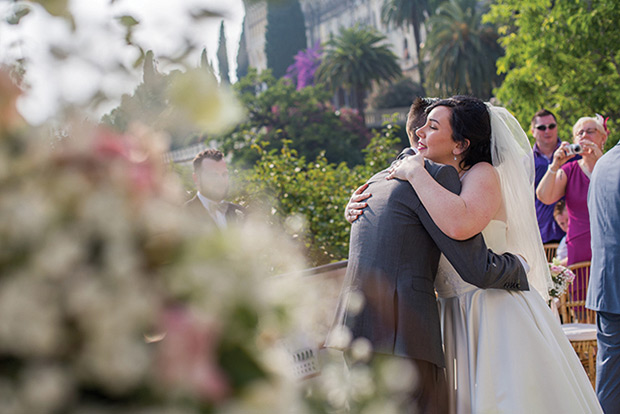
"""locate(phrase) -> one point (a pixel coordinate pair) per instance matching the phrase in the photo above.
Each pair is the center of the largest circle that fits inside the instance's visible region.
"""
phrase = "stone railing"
(183, 155)
(375, 119)
(307, 354)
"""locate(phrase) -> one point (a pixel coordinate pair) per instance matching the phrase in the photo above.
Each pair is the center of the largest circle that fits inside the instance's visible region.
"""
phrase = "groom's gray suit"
(393, 258)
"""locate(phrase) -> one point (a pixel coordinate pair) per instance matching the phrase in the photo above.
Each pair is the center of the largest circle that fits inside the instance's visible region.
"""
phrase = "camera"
(573, 149)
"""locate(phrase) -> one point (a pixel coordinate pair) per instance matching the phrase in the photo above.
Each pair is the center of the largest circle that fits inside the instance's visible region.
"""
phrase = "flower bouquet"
(561, 277)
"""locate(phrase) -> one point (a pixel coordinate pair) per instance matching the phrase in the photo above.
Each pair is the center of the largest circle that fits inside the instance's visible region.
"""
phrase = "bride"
(505, 350)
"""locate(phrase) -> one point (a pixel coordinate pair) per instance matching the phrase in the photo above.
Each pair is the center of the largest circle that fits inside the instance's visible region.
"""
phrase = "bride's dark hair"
(471, 121)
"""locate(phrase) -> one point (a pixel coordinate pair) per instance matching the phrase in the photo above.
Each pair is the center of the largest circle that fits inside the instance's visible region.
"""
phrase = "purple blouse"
(578, 235)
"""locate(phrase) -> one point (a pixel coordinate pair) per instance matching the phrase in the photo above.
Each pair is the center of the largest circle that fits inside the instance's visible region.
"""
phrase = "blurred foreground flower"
(187, 357)
(112, 300)
(197, 99)
(97, 254)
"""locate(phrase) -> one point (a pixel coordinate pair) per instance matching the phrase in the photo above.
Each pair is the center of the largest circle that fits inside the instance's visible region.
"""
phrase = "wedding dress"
(505, 350)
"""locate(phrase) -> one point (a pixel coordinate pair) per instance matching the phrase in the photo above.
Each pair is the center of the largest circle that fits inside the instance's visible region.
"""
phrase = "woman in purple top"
(578, 237)
(572, 180)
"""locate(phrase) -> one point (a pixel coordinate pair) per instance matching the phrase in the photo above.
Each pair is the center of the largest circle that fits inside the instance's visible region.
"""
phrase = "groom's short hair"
(209, 153)
(416, 118)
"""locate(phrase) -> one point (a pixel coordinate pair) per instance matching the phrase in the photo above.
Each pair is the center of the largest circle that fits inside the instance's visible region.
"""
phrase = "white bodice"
(448, 282)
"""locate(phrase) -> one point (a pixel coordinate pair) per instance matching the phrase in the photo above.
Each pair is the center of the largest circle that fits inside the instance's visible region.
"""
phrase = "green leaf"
(127, 21)
(201, 13)
(19, 11)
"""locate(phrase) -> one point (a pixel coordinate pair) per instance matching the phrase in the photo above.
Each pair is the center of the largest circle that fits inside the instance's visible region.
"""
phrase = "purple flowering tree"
(306, 63)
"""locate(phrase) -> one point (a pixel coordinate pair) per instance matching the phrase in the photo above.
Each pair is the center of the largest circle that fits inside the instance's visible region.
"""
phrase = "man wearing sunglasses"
(545, 131)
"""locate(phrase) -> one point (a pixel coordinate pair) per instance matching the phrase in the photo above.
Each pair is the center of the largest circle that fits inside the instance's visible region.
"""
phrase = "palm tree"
(354, 60)
(462, 51)
(412, 12)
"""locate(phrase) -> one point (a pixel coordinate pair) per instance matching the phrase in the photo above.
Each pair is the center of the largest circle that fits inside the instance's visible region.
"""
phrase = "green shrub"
(307, 198)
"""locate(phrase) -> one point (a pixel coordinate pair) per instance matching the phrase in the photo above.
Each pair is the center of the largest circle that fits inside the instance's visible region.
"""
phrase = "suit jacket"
(393, 258)
(234, 213)
(604, 208)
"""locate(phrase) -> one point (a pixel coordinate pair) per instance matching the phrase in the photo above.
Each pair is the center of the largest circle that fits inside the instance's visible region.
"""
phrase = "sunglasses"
(544, 127)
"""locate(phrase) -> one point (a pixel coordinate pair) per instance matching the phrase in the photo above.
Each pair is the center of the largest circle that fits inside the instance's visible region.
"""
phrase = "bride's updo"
(471, 121)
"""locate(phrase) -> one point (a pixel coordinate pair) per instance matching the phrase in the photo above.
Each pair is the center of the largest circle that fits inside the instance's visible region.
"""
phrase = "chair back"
(572, 302)
(550, 249)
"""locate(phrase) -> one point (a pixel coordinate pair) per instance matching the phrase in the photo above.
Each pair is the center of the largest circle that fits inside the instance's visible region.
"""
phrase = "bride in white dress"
(505, 350)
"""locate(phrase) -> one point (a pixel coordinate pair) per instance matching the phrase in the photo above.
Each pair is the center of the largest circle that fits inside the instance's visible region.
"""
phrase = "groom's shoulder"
(383, 190)
(446, 175)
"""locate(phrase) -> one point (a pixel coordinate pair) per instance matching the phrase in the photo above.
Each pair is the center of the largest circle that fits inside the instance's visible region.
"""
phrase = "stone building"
(255, 27)
(324, 18)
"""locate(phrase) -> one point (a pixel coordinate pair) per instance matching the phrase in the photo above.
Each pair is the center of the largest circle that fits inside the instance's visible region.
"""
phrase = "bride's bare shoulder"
(481, 171)
(482, 178)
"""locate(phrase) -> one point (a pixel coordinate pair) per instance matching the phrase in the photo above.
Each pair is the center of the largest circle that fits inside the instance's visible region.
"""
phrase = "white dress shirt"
(215, 210)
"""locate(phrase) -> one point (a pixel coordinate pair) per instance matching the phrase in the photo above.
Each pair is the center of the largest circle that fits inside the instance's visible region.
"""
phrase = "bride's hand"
(406, 168)
(356, 204)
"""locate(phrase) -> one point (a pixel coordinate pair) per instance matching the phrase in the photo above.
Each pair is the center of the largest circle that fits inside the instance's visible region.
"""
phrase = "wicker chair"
(550, 249)
(579, 323)
(573, 310)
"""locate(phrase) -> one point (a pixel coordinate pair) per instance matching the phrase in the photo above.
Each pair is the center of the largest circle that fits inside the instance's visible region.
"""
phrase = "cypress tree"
(148, 69)
(204, 62)
(222, 56)
(285, 35)
(243, 61)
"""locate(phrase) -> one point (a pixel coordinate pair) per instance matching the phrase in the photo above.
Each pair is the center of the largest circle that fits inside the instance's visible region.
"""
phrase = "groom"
(393, 258)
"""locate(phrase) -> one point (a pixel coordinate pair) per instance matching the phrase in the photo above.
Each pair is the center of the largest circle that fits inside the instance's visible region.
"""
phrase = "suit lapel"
(199, 210)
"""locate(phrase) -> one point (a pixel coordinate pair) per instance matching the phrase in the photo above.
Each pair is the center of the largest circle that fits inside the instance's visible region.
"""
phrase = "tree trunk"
(416, 38)
(359, 100)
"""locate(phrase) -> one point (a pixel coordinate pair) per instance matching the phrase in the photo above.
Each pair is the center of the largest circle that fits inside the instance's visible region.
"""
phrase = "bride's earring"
(455, 158)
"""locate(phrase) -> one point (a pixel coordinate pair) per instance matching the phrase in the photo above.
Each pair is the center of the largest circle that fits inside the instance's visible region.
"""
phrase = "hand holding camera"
(563, 154)
(573, 149)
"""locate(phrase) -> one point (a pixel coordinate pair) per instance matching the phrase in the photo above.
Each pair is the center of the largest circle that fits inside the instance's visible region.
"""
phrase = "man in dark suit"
(393, 258)
(604, 286)
(211, 179)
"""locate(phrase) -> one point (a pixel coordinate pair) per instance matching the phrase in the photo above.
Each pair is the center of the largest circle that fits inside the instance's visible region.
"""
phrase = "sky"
(69, 66)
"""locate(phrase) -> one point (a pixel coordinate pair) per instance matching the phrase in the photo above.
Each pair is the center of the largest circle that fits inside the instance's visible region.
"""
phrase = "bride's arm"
(458, 216)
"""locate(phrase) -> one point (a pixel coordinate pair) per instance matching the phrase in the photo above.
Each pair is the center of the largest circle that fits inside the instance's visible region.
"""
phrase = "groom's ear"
(461, 147)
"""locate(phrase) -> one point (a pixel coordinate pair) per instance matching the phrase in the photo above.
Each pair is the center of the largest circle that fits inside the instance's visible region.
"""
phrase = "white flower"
(30, 320)
(399, 375)
(361, 382)
(60, 254)
(116, 361)
(361, 349)
(340, 337)
(46, 388)
(355, 302)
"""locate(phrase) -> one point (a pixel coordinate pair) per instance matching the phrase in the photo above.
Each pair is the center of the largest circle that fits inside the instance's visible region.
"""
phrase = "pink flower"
(108, 144)
(127, 149)
(186, 357)
(10, 119)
